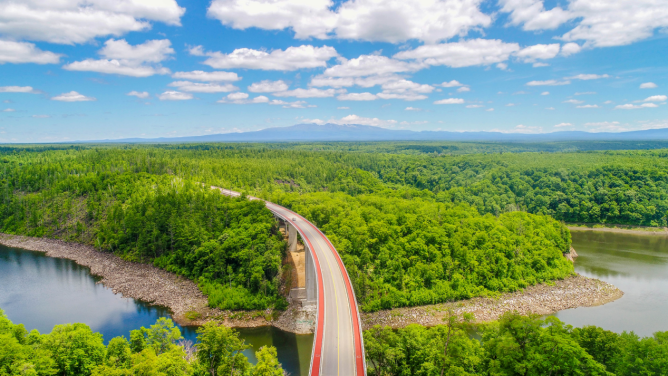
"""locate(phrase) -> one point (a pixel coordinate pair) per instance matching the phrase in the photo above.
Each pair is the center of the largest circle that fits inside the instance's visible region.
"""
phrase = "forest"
(160, 350)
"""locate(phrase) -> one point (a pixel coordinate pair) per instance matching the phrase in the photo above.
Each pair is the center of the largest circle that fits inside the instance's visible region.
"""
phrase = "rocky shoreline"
(542, 299)
(189, 306)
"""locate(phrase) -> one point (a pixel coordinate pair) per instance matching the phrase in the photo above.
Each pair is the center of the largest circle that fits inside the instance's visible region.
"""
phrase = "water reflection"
(40, 292)
(638, 265)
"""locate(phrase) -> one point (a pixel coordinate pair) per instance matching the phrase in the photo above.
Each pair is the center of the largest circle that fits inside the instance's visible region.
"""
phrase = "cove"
(636, 264)
(40, 292)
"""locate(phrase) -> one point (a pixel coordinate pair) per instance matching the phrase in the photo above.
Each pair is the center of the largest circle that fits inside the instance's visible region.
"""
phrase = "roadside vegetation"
(75, 350)
(513, 346)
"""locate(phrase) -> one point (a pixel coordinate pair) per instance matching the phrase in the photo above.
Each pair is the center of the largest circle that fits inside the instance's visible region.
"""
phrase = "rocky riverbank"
(542, 299)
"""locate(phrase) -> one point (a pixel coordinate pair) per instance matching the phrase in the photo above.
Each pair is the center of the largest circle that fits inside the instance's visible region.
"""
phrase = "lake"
(637, 265)
(40, 292)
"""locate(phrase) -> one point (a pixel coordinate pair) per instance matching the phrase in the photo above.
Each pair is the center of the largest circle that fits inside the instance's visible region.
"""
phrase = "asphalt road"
(337, 343)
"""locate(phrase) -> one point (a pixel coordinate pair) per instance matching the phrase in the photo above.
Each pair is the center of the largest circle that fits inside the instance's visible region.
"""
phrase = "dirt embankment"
(621, 229)
(542, 299)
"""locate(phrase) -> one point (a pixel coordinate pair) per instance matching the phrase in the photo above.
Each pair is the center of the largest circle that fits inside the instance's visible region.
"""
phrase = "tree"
(219, 350)
(267, 363)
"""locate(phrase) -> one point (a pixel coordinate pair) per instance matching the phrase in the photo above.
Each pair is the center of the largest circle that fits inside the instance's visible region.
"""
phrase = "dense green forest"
(75, 350)
(402, 246)
(514, 346)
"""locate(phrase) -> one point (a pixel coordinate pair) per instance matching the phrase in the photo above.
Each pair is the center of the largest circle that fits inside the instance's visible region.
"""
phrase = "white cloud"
(561, 125)
(630, 106)
(406, 86)
(550, 108)
(357, 97)
(171, 95)
(295, 104)
(142, 94)
(77, 21)
(545, 93)
(532, 14)
(548, 83)
(199, 87)
(407, 96)
(268, 86)
(474, 106)
(373, 20)
(587, 77)
(8, 110)
(462, 54)
(538, 65)
(18, 89)
(450, 101)
(368, 65)
(656, 98)
(539, 51)
(648, 85)
(306, 93)
(463, 89)
(573, 101)
(21, 52)
(588, 106)
(199, 75)
(453, 83)
(122, 58)
(72, 96)
(366, 82)
(489, 110)
(599, 24)
(412, 109)
(569, 49)
(292, 58)
(357, 120)
(242, 98)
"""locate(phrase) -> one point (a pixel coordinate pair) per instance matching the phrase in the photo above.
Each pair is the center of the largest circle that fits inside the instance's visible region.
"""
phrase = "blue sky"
(102, 69)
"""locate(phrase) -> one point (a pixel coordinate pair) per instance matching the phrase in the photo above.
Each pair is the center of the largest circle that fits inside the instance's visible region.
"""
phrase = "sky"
(108, 69)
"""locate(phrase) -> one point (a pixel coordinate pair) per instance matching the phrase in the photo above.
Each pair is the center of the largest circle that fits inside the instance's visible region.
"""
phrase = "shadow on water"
(637, 265)
(40, 292)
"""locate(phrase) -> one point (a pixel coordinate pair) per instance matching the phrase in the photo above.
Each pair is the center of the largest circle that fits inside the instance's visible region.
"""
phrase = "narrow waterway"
(636, 264)
(40, 292)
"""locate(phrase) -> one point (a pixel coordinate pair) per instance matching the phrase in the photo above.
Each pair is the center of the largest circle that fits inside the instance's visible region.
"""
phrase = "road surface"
(338, 349)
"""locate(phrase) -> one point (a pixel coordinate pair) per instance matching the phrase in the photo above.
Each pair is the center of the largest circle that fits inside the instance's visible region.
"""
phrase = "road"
(338, 349)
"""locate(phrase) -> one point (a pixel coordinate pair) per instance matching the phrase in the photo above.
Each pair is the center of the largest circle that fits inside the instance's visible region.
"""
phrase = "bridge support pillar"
(292, 238)
(311, 289)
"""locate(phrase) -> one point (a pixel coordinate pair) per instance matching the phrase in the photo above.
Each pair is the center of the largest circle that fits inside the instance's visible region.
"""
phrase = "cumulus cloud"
(561, 125)
(292, 58)
(18, 89)
(587, 77)
(407, 96)
(548, 83)
(545, 93)
(357, 97)
(141, 60)
(306, 93)
(648, 85)
(242, 98)
(588, 106)
(630, 106)
(21, 52)
(356, 120)
(172, 95)
(463, 89)
(367, 65)
(599, 24)
(72, 96)
(573, 101)
(8, 110)
(139, 94)
(462, 54)
(569, 49)
(78, 21)
(453, 83)
(199, 75)
(474, 106)
(199, 87)
(372, 20)
(268, 86)
(366, 82)
(295, 104)
(656, 98)
(450, 101)
(412, 109)
(538, 52)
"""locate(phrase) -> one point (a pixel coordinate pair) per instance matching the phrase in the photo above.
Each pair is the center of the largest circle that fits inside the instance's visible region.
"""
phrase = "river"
(637, 265)
(40, 292)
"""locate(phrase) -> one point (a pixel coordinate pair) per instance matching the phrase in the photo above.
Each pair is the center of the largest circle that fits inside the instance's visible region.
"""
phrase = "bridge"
(338, 348)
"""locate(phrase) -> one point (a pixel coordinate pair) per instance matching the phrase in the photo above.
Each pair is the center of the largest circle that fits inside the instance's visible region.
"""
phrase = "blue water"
(40, 292)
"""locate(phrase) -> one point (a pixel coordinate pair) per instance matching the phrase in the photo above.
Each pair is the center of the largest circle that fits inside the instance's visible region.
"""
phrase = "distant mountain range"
(336, 132)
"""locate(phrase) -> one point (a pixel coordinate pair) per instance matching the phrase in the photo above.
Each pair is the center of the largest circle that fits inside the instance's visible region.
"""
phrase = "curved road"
(338, 349)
